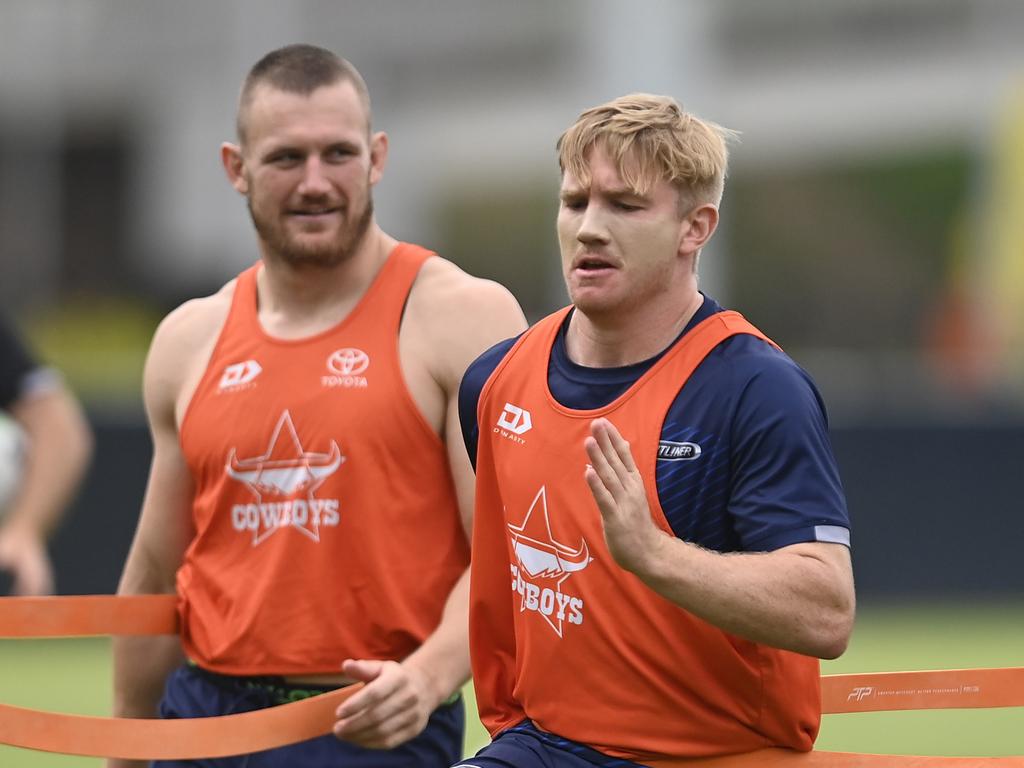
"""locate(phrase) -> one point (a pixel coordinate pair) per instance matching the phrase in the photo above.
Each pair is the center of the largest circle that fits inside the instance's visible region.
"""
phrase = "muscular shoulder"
(447, 297)
(459, 315)
(772, 381)
(761, 424)
(181, 346)
(745, 374)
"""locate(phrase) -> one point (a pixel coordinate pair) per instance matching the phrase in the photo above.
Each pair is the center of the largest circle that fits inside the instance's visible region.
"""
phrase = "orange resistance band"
(144, 739)
(88, 615)
(201, 737)
(782, 758)
(934, 689)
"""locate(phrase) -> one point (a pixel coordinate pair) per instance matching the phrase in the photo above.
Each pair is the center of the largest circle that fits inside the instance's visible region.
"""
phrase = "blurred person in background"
(661, 540)
(310, 498)
(45, 444)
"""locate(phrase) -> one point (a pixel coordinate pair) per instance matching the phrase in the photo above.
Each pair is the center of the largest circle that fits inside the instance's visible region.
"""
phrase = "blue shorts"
(525, 746)
(194, 692)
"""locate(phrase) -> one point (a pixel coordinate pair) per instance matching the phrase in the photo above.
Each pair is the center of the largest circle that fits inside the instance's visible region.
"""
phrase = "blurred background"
(873, 223)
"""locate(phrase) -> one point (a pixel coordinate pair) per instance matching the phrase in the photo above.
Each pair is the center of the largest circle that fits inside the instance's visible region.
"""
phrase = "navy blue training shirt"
(745, 462)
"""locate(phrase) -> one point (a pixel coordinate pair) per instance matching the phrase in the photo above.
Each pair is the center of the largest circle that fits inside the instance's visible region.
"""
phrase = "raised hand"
(618, 489)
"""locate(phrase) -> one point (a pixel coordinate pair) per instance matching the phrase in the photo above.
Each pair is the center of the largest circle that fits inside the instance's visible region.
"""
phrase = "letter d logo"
(515, 419)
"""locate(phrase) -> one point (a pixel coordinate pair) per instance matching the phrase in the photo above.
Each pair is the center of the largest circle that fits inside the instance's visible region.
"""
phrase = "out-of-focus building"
(871, 224)
(866, 127)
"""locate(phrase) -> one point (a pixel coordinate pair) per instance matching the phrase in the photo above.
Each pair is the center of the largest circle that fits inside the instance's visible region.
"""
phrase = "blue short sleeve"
(786, 485)
(745, 462)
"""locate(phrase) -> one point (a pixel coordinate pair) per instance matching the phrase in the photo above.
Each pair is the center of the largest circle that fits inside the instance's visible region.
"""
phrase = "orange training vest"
(326, 524)
(562, 635)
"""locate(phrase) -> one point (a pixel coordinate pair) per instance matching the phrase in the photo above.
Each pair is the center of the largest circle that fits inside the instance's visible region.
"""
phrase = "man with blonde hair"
(661, 542)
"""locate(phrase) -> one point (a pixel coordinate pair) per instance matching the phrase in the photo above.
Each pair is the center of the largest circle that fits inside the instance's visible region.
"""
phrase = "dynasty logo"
(239, 376)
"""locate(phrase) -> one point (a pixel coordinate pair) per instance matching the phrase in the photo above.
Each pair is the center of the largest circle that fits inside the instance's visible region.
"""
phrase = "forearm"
(60, 446)
(141, 664)
(443, 659)
(791, 598)
(799, 598)
(141, 667)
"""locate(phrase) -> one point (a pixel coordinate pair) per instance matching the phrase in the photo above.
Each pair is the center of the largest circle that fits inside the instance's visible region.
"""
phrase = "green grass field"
(73, 676)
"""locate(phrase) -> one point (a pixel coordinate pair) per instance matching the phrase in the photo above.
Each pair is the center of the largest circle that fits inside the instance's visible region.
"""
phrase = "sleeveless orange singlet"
(562, 635)
(326, 524)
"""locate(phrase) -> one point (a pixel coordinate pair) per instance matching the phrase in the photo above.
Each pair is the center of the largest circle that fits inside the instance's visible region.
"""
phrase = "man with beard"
(309, 499)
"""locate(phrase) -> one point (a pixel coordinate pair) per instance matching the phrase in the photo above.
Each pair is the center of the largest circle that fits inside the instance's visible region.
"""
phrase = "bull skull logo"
(286, 472)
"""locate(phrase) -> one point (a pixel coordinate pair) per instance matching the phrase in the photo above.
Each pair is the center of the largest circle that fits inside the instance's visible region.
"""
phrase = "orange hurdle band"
(88, 615)
(142, 739)
(930, 689)
(150, 739)
(210, 737)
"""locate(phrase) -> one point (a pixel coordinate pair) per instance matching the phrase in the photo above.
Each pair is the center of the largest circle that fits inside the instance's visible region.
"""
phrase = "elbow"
(833, 647)
(837, 607)
(833, 637)
(61, 416)
(826, 644)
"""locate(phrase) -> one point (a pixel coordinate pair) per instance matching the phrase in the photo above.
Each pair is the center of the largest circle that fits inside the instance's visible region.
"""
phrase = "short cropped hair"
(300, 69)
(650, 138)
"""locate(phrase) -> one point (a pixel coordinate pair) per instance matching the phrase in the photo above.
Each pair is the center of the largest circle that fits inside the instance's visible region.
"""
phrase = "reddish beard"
(280, 245)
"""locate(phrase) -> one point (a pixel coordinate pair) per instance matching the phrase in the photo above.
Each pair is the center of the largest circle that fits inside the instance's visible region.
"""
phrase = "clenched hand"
(392, 708)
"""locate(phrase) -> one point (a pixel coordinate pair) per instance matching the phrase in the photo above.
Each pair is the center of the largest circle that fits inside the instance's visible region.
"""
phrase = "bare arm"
(141, 665)
(399, 698)
(800, 597)
(443, 660)
(59, 449)
(489, 314)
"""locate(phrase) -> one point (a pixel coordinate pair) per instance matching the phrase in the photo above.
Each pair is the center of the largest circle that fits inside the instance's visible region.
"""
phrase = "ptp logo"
(860, 692)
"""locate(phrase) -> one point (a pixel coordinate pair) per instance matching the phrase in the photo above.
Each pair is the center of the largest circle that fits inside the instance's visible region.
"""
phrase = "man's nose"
(593, 227)
(314, 181)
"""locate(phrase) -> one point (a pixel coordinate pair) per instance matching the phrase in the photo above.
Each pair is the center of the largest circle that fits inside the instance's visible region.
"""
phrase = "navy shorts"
(525, 746)
(194, 692)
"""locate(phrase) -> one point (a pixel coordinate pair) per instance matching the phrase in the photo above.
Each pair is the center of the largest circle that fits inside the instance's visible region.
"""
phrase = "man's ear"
(697, 228)
(378, 155)
(234, 166)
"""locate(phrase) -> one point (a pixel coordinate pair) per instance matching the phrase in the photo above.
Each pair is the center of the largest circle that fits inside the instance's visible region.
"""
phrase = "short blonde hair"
(650, 138)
